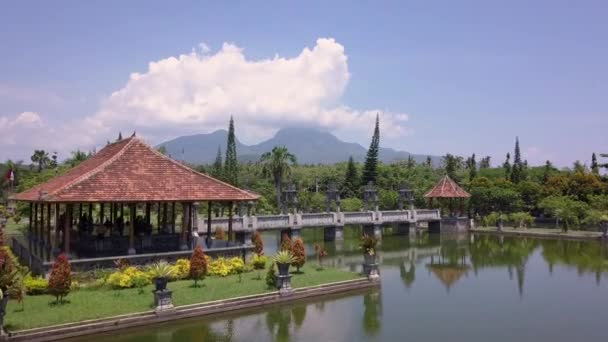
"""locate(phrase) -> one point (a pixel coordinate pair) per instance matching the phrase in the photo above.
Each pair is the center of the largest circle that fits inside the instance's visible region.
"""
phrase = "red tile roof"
(131, 171)
(447, 188)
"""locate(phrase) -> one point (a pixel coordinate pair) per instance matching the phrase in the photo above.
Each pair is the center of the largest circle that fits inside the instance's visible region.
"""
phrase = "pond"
(434, 288)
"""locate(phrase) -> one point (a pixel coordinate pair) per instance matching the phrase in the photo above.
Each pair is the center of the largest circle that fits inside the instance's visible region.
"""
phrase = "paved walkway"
(541, 232)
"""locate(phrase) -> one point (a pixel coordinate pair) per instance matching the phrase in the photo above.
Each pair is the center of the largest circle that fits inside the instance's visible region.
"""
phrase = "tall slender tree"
(484, 163)
(472, 166)
(231, 166)
(277, 165)
(429, 162)
(595, 168)
(217, 170)
(547, 171)
(507, 166)
(350, 186)
(517, 169)
(451, 165)
(370, 168)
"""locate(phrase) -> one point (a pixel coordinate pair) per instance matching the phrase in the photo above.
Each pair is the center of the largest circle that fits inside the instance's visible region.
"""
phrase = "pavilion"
(447, 189)
(124, 200)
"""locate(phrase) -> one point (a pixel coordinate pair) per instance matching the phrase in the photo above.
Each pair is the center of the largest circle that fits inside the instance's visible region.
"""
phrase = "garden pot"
(283, 269)
(369, 259)
(160, 283)
(3, 303)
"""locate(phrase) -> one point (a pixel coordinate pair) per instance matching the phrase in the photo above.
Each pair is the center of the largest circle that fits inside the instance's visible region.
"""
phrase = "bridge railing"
(427, 214)
(354, 217)
(272, 221)
(237, 223)
(395, 215)
(318, 219)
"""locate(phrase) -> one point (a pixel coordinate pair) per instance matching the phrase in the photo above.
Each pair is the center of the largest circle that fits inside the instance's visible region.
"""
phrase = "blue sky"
(469, 75)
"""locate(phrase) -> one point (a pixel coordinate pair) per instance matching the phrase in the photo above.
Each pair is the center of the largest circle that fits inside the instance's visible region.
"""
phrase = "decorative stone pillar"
(163, 302)
(185, 220)
(132, 250)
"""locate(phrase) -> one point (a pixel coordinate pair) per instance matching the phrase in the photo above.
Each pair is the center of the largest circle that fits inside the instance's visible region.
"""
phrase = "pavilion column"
(57, 227)
(131, 250)
(148, 213)
(48, 243)
(102, 210)
(40, 237)
(185, 218)
(30, 226)
(230, 210)
(173, 218)
(36, 227)
(158, 215)
(193, 223)
(91, 213)
(209, 240)
(165, 218)
(67, 229)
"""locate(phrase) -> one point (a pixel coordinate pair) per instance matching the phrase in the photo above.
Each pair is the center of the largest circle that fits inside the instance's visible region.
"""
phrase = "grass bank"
(40, 311)
(542, 232)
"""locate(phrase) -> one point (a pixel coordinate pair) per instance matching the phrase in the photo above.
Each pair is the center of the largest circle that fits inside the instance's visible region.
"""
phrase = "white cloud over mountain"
(197, 92)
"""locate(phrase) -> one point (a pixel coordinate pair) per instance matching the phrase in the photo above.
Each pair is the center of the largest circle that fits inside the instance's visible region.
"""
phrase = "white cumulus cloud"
(197, 92)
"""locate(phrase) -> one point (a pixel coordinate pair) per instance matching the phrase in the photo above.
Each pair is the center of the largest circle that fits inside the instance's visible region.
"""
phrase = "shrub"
(17, 218)
(321, 253)
(60, 279)
(283, 257)
(285, 242)
(121, 264)
(198, 265)
(219, 233)
(271, 276)
(299, 254)
(128, 278)
(368, 244)
(521, 219)
(224, 267)
(35, 285)
(259, 262)
(181, 269)
(258, 244)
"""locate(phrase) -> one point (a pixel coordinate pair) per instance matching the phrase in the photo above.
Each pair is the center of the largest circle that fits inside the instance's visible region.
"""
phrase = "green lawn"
(544, 232)
(40, 311)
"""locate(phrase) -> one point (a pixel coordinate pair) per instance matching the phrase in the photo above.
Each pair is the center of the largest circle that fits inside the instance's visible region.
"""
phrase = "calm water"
(434, 288)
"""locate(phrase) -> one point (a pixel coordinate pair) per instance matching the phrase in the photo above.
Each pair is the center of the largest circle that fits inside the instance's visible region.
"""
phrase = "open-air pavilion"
(127, 199)
(447, 190)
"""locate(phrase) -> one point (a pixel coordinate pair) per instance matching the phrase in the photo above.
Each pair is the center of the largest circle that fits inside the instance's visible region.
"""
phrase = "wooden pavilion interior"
(126, 199)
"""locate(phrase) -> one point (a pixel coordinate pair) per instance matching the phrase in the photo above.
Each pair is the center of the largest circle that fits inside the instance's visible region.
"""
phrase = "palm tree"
(277, 164)
(41, 158)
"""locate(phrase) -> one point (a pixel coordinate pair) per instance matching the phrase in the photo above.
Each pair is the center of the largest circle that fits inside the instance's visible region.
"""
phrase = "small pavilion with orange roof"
(124, 200)
(446, 188)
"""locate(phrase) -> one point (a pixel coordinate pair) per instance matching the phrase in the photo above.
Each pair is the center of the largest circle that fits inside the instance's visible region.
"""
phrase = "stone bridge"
(332, 222)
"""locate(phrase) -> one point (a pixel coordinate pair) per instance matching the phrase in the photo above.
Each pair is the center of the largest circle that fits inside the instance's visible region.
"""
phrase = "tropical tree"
(77, 157)
(277, 165)
(231, 166)
(595, 168)
(350, 186)
(60, 279)
(370, 168)
(484, 163)
(507, 166)
(451, 164)
(217, 170)
(41, 157)
(517, 169)
(472, 166)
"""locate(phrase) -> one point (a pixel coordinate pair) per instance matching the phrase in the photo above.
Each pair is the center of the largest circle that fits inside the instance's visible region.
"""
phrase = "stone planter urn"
(369, 259)
(160, 283)
(283, 269)
(370, 267)
(3, 303)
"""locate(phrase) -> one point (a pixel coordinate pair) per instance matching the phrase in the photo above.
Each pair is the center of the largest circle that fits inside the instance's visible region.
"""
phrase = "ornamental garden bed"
(104, 301)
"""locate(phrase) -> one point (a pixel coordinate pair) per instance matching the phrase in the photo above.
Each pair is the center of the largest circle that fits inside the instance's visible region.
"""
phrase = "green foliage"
(217, 170)
(565, 208)
(35, 285)
(77, 157)
(284, 257)
(271, 276)
(368, 244)
(521, 219)
(259, 262)
(370, 168)
(350, 185)
(388, 199)
(313, 201)
(277, 165)
(351, 204)
(517, 171)
(41, 158)
(231, 171)
(161, 269)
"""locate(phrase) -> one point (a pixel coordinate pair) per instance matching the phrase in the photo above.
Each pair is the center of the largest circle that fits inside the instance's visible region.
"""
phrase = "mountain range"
(309, 145)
